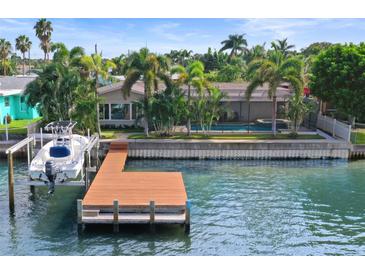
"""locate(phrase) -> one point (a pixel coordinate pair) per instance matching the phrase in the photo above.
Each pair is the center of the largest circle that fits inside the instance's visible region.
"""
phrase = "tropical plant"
(315, 48)
(192, 76)
(275, 70)
(120, 65)
(5, 50)
(232, 71)
(282, 46)
(43, 30)
(213, 60)
(150, 68)
(299, 107)
(166, 110)
(337, 77)
(59, 92)
(67, 57)
(181, 57)
(236, 43)
(97, 68)
(207, 107)
(23, 44)
(256, 52)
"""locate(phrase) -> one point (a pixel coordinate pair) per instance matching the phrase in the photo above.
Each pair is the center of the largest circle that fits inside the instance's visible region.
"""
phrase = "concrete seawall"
(215, 149)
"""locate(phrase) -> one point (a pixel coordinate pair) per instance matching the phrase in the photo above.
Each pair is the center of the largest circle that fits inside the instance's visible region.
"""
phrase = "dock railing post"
(11, 182)
(41, 130)
(116, 216)
(86, 170)
(187, 216)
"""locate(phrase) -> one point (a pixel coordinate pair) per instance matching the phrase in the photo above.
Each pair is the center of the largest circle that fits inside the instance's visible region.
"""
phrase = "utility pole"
(96, 48)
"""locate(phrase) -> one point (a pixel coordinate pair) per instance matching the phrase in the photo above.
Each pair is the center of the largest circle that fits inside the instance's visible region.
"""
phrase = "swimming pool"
(243, 127)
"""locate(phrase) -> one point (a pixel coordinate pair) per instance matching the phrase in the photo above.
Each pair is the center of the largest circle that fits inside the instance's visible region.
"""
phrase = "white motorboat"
(61, 159)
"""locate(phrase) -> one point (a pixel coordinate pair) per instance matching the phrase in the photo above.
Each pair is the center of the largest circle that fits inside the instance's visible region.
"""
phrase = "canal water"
(238, 208)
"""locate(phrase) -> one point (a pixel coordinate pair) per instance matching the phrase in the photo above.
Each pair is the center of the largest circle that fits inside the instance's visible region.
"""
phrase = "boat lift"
(30, 142)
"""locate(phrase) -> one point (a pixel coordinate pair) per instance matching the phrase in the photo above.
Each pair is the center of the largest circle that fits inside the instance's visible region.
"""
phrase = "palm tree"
(67, 57)
(43, 30)
(150, 68)
(23, 44)
(275, 71)
(255, 52)
(193, 75)
(5, 49)
(96, 67)
(282, 46)
(236, 43)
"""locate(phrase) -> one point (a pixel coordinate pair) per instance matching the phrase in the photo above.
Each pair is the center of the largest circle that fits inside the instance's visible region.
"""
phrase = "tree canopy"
(338, 77)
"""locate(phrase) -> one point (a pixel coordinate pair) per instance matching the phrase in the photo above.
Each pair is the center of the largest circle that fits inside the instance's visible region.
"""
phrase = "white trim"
(130, 112)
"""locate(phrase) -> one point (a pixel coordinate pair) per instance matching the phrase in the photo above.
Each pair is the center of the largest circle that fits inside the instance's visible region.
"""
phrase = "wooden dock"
(118, 197)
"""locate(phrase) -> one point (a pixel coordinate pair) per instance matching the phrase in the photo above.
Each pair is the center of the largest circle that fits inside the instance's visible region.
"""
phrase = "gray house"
(117, 110)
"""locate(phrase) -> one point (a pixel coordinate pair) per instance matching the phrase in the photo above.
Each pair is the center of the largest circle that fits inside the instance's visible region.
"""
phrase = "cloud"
(278, 28)
(168, 31)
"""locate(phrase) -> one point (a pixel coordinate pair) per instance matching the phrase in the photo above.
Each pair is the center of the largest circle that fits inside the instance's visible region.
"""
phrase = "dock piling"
(79, 211)
(187, 212)
(187, 216)
(116, 216)
(11, 182)
(152, 212)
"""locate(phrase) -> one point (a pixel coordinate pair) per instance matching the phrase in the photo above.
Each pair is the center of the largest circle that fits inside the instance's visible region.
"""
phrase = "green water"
(238, 208)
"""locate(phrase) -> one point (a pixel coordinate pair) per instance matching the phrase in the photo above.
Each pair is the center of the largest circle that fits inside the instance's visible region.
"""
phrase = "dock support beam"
(115, 216)
(187, 216)
(11, 182)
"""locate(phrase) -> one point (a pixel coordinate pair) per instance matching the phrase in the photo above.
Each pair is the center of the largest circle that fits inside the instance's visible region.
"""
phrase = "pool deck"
(119, 197)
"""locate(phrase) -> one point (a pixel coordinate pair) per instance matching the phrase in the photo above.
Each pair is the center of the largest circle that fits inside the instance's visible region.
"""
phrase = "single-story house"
(12, 100)
(117, 110)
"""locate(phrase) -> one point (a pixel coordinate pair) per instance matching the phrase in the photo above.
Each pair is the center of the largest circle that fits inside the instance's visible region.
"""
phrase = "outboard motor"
(51, 175)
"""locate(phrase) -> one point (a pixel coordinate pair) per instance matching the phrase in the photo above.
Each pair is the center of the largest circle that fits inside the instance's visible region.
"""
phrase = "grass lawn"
(358, 137)
(18, 126)
(113, 133)
(260, 136)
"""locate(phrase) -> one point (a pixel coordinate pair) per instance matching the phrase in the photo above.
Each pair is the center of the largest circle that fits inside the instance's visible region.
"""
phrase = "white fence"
(334, 127)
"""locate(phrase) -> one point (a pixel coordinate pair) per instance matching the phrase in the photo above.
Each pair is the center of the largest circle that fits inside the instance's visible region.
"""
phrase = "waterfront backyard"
(304, 207)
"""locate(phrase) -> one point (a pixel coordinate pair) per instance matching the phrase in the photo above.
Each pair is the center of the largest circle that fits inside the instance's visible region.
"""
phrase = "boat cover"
(59, 151)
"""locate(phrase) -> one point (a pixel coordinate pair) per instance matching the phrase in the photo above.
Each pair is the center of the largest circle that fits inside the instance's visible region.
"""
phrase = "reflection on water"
(238, 208)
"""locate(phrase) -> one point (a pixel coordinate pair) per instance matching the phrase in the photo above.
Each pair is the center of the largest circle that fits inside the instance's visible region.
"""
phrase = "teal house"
(12, 100)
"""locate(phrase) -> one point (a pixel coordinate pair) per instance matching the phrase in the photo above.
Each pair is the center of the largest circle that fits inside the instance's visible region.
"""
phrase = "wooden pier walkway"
(119, 197)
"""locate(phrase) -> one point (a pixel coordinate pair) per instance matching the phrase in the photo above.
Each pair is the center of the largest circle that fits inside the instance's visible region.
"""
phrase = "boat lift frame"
(30, 142)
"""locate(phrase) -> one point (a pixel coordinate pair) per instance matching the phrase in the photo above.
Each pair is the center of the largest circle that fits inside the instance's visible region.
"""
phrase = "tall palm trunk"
(23, 63)
(145, 103)
(274, 108)
(97, 105)
(189, 121)
(29, 61)
(4, 67)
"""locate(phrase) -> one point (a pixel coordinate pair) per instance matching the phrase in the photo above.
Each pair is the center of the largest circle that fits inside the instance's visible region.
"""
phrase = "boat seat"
(59, 151)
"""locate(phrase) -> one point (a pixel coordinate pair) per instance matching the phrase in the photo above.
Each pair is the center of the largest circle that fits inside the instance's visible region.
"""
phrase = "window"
(23, 106)
(135, 111)
(7, 101)
(120, 111)
(104, 112)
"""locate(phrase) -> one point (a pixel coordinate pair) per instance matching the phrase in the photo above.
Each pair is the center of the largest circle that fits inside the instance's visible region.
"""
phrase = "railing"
(334, 127)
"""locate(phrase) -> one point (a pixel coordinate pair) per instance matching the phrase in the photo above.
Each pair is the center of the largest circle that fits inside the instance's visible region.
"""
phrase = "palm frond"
(131, 78)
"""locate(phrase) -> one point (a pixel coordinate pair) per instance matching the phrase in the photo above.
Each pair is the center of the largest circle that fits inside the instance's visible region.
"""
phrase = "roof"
(10, 85)
(234, 91)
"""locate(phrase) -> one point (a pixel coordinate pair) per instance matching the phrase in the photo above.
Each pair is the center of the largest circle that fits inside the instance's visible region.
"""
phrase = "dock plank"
(133, 189)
